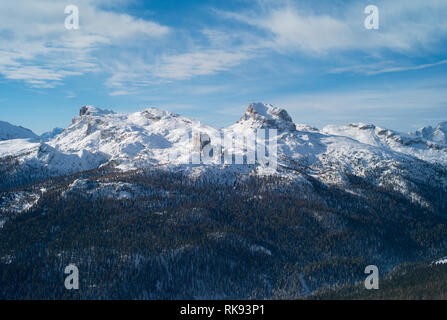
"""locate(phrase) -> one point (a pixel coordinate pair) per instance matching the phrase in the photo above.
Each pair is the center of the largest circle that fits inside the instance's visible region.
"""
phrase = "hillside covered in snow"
(119, 194)
(9, 131)
(153, 138)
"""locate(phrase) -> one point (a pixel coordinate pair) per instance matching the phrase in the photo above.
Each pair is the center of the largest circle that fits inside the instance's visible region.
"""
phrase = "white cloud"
(385, 67)
(136, 72)
(188, 65)
(40, 51)
(36, 47)
(290, 30)
(406, 26)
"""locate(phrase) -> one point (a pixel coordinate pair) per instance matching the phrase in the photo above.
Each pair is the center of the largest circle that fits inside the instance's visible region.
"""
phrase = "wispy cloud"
(188, 65)
(326, 29)
(289, 30)
(36, 47)
(373, 69)
(175, 67)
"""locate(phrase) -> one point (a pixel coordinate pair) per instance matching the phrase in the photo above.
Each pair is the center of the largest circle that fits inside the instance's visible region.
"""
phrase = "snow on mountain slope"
(155, 138)
(17, 146)
(100, 137)
(309, 150)
(134, 140)
(331, 157)
(440, 261)
(18, 201)
(305, 127)
(261, 116)
(9, 131)
(437, 134)
(416, 145)
(47, 136)
(42, 157)
(115, 190)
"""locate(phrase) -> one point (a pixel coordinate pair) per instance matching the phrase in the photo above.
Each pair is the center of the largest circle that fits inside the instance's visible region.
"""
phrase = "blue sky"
(209, 59)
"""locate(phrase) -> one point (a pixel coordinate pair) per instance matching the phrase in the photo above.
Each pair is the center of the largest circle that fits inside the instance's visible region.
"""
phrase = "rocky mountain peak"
(263, 115)
(437, 134)
(91, 110)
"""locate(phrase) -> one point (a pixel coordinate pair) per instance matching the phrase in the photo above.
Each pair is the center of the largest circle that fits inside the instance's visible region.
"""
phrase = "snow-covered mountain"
(129, 141)
(9, 131)
(155, 138)
(262, 116)
(97, 138)
(437, 134)
(123, 188)
(427, 144)
(47, 136)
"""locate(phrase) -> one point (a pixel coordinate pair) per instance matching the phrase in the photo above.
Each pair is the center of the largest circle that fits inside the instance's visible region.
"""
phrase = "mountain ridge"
(9, 131)
(153, 137)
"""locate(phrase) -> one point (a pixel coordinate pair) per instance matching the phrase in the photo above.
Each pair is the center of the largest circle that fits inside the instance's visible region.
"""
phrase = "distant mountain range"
(12, 132)
(98, 138)
(9, 131)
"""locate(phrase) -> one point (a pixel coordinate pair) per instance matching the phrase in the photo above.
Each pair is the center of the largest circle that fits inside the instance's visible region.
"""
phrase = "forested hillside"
(150, 234)
(420, 281)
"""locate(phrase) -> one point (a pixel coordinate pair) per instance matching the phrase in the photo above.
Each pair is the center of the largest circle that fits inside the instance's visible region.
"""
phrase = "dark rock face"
(83, 111)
